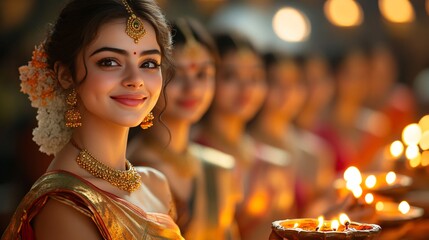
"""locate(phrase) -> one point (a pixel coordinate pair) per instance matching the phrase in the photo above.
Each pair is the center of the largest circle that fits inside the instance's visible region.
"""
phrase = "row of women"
(222, 159)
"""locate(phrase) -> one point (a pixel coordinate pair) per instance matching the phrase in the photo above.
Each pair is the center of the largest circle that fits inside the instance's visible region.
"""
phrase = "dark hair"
(228, 43)
(199, 34)
(80, 20)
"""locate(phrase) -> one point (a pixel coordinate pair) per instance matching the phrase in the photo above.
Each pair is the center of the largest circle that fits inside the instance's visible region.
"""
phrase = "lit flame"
(334, 225)
(295, 225)
(369, 198)
(320, 219)
(344, 219)
(396, 148)
(390, 177)
(352, 175)
(370, 181)
(404, 207)
(412, 134)
(379, 206)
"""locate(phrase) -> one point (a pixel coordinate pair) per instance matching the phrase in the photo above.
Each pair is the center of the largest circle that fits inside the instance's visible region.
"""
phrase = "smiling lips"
(130, 100)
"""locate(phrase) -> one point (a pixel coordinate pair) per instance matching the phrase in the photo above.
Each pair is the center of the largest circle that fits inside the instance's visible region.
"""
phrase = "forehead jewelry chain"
(135, 27)
(128, 180)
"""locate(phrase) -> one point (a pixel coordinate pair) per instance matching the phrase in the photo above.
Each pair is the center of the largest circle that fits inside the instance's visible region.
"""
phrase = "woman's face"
(286, 91)
(240, 85)
(123, 80)
(191, 91)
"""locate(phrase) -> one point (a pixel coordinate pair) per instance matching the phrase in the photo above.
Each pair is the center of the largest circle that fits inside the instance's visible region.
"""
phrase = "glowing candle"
(404, 207)
(370, 181)
(334, 225)
(344, 220)
(369, 198)
(320, 225)
(390, 177)
(295, 225)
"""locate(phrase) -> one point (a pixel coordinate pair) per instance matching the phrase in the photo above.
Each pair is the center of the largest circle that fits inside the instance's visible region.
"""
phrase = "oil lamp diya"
(310, 228)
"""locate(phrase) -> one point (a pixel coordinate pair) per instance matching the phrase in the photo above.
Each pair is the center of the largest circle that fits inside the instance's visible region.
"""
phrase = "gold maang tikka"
(135, 27)
(191, 47)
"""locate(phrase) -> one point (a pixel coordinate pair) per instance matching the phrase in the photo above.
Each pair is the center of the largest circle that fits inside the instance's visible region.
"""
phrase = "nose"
(133, 79)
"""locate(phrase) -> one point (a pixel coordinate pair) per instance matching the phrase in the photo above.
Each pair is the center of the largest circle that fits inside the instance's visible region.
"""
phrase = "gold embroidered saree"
(114, 217)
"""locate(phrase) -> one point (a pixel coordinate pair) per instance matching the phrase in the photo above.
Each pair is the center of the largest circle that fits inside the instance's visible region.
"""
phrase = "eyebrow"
(123, 52)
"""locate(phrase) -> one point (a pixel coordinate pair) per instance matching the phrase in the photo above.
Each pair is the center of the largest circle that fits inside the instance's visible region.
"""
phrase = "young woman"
(97, 74)
(199, 177)
(240, 92)
(311, 160)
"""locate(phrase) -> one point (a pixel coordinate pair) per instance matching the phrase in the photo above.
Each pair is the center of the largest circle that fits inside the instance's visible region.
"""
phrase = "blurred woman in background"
(200, 177)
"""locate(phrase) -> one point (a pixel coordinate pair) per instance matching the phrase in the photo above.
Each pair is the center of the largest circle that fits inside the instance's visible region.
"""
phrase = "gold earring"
(72, 115)
(147, 121)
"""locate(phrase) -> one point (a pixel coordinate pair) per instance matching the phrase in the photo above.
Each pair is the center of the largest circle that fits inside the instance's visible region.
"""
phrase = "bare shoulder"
(60, 221)
(151, 175)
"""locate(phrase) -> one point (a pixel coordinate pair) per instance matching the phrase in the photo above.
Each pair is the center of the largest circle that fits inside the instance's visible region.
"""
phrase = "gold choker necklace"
(128, 180)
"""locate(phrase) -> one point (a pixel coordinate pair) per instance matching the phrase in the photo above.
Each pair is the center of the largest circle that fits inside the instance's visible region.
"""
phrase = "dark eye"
(151, 64)
(108, 62)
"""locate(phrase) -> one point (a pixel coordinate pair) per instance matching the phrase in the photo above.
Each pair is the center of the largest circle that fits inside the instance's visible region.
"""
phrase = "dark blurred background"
(296, 28)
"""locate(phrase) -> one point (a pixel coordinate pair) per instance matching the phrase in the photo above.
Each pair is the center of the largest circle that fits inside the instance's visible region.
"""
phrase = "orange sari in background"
(114, 217)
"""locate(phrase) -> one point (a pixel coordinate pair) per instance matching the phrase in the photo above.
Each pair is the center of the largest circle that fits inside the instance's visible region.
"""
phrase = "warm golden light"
(415, 162)
(258, 203)
(424, 121)
(344, 219)
(295, 225)
(343, 13)
(404, 207)
(396, 148)
(424, 141)
(390, 177)
(379, 206)
(425, 157)
(412, 152)
(369, 198)
(320, 219)
(353, 175)
(370, 181)
(412, 134)
(427, 6)
(334, 225)
(397, 11)
(291, 25)
(357, 191)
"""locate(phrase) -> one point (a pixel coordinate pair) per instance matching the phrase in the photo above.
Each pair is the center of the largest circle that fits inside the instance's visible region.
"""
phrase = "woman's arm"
(58, 221)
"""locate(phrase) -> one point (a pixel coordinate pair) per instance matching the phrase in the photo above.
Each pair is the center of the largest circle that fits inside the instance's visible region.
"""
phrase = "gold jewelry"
(72, 115)
(135, 27)
(147, 121)
(128, 180)
(191, 47)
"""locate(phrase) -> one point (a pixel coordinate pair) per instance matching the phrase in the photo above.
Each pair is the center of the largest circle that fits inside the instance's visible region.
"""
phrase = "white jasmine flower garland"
(45, 94)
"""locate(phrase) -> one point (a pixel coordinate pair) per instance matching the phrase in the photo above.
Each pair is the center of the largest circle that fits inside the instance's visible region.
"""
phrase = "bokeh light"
(404, 207)
(390, 177)
(412, 134)
(412, 152)
(396, 148)
(424, 121)
(424, 141)
(425, 158)
(369, 198)
(370, 181)
(344, 13)
(397, 11)
(291, 25)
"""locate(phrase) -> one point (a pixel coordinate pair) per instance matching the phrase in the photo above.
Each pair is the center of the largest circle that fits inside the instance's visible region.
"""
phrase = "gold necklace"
(128, 180)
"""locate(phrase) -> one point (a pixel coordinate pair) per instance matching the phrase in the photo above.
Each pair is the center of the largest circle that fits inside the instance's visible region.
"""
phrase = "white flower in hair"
(45, 94)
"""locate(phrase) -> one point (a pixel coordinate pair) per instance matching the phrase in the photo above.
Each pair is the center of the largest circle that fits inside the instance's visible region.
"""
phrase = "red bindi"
(135, 53)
